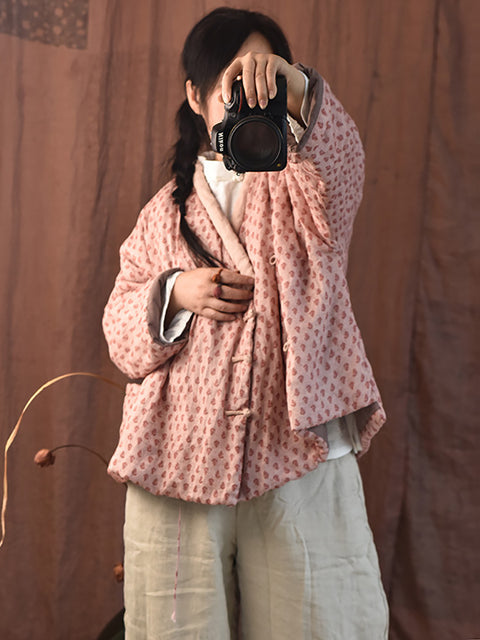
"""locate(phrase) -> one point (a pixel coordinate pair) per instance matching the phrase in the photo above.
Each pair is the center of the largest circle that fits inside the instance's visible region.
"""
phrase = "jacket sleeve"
(131, 320)
(329, 162)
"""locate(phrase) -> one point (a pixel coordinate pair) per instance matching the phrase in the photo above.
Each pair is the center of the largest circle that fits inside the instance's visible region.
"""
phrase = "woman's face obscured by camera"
(212, 109)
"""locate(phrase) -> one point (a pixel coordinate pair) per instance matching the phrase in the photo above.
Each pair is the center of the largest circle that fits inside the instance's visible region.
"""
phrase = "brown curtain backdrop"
(88, 95)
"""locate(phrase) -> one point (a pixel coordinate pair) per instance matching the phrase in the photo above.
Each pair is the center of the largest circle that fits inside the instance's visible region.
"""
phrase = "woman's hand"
(259, 72)
(215, 293)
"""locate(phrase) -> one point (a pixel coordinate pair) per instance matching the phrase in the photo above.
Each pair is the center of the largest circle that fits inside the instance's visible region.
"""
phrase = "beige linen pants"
(297, 563)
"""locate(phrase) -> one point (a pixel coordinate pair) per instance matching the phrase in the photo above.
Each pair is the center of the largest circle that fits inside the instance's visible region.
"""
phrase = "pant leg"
(306, 560)
(205, 604)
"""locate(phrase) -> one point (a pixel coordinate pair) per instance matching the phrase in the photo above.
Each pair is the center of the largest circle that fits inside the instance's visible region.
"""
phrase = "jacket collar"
(226, 230)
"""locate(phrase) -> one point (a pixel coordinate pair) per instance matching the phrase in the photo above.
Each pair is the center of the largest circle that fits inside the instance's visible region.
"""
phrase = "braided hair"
(208, 49)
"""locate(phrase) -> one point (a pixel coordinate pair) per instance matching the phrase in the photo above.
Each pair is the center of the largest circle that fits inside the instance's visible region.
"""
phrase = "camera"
(253, 139)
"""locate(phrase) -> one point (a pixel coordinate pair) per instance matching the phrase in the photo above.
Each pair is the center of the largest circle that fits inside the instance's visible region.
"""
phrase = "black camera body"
(253, 139)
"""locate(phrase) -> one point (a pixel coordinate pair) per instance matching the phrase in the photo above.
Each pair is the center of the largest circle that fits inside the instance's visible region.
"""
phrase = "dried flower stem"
(13, 435)
(80, 446)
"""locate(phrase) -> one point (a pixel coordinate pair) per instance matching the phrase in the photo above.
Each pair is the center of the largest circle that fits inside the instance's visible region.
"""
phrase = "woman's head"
(211, 108)
(214, 41)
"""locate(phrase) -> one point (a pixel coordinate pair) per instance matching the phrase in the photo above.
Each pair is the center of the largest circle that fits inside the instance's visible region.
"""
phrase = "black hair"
(210, 46)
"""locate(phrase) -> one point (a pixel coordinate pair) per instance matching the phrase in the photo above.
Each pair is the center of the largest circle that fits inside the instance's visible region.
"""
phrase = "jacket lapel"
(221, 223)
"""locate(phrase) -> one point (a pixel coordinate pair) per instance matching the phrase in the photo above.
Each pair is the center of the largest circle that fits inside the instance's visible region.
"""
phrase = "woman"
(251, 392)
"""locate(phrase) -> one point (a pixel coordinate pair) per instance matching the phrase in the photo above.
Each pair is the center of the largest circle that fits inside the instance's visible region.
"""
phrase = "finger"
(261, 83)
(231, 72)
(221, 310)
(212, 314)
(225, 306)
(248, 79)
(236, 279)
(271, 77)
(226, 276)
(234, 293)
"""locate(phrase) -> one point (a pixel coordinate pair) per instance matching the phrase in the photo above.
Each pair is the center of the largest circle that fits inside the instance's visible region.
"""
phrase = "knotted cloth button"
(249, 314)
(239, 412)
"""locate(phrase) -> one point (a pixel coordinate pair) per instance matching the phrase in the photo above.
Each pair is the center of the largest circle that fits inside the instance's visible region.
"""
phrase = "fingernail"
(263, 104)
(251, 103)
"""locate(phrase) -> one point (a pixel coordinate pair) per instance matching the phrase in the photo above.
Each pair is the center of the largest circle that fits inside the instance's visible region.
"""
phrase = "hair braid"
(192, 134)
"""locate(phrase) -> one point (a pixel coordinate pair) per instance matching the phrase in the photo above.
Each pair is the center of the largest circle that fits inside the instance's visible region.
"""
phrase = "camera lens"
(255, 143)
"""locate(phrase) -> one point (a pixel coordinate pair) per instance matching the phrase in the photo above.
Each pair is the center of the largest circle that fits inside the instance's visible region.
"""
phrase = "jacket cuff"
(315, 98)
(156, 302)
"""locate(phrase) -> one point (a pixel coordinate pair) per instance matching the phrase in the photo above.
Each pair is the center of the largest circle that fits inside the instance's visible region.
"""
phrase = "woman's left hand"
(259, 72)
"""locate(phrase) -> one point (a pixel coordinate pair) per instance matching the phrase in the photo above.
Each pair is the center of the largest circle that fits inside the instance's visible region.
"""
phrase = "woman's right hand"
(218, 294)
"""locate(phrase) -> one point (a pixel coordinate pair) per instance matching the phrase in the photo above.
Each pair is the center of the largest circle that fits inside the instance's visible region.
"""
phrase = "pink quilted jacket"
(223, 414)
